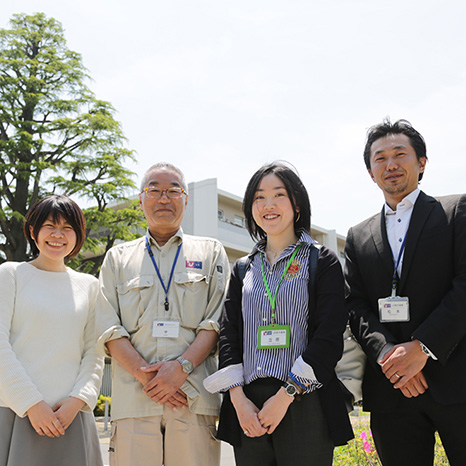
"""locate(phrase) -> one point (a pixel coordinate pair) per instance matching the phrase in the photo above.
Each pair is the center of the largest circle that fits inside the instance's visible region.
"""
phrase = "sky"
(219, 88)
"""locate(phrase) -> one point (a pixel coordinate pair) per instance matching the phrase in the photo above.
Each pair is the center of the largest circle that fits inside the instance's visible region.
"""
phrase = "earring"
(298, 217)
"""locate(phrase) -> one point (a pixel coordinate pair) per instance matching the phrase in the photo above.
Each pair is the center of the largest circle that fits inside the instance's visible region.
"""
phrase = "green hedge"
(99, 409)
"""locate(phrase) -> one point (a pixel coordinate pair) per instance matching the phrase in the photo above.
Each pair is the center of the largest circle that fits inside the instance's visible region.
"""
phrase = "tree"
(107, 226)
(56, 136)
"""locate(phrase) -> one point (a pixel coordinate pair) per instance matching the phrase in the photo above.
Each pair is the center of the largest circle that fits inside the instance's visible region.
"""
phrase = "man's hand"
(274, 410)
(247, 412)
(178, 400)
(167, 381)
(403, 362)
(415, 386)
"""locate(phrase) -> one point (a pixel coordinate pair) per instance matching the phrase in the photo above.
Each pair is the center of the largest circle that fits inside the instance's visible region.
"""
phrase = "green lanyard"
(273, 298)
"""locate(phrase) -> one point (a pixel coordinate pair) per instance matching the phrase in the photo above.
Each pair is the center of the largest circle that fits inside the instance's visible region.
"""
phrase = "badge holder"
(166, 329)
(273, 336)
(394, 308)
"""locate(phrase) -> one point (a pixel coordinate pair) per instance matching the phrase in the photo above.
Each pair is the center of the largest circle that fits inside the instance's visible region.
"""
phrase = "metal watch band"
(424, 349)
(186, 365)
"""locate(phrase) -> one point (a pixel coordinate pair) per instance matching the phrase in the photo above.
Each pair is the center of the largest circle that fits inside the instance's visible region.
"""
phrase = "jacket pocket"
(134, 297)
(194, 288)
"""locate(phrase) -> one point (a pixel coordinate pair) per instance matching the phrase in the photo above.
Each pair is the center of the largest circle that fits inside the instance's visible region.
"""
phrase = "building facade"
(218, 214)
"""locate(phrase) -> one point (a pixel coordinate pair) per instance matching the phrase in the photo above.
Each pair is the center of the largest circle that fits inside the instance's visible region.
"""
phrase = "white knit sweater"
(47, 337)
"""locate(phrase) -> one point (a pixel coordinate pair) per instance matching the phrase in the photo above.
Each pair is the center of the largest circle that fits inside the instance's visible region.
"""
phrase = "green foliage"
(107, 227)
(55, 136)
(361, 451)
(99, 409)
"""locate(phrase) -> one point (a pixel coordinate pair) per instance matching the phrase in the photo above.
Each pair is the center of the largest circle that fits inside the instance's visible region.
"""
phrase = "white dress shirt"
(397, 224)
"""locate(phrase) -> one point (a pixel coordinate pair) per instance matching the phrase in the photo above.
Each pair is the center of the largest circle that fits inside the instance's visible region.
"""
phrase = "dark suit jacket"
(433, 278)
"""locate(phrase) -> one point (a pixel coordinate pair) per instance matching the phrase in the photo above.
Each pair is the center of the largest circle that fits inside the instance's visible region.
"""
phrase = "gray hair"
(164, 166)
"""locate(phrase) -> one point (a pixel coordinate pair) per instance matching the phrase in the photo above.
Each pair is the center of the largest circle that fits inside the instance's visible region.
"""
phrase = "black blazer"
(434, 280)
(322, 353)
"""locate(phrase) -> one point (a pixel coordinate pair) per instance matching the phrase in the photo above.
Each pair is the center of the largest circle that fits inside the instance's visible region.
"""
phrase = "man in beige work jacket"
(161, 298)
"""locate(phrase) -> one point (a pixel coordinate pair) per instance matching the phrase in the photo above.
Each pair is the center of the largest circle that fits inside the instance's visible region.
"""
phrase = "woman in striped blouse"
(279, 344)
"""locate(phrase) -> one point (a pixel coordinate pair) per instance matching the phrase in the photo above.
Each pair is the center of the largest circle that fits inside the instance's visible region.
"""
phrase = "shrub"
(99, 409)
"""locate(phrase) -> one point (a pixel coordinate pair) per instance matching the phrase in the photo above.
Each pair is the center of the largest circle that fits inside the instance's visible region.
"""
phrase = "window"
(239, 221)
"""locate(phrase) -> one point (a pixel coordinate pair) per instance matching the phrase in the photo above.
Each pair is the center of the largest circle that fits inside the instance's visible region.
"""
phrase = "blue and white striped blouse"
(291, 309)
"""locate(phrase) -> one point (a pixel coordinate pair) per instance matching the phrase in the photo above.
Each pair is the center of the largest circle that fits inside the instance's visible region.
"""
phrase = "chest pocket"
(194, 287)
(134, 297)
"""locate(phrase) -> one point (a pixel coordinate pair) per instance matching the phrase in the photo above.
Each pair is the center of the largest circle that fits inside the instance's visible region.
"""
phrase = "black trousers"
(302, 436)
(406, 436)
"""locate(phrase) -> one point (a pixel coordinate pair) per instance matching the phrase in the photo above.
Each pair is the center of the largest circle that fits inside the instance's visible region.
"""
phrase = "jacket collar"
(422, 209)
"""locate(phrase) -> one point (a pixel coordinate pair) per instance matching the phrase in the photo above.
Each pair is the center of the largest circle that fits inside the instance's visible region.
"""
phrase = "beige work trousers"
(177, 438)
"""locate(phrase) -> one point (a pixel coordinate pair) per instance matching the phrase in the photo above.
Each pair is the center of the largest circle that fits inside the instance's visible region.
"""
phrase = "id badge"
(273, 336)
(165, 329)
(394, 309)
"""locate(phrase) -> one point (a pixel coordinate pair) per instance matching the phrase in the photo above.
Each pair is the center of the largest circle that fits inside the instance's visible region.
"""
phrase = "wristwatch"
(186, 365)
(290, 389)
(424, 349)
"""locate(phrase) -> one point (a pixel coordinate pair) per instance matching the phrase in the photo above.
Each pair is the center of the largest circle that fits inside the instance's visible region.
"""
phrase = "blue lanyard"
(151, 254)
(397, 263)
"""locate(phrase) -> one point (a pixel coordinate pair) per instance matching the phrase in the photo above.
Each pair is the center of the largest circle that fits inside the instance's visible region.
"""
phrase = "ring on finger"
(396, 373)
(246, 432)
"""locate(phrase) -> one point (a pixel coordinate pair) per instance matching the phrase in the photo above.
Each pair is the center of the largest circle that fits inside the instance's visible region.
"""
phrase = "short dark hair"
(296, 191)
(58, 207)
(399, 127)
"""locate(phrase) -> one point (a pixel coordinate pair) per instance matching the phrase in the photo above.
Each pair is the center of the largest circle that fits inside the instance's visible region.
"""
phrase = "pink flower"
(367, 447)
(363, 436)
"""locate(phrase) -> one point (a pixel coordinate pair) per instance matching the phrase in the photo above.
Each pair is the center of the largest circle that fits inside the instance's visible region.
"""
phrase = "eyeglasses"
(156, 193)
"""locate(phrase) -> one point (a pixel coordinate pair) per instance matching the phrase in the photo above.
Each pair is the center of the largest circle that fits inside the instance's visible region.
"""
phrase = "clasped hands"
(53, 421)
(162, 384)
(256, 422)
(403, 365)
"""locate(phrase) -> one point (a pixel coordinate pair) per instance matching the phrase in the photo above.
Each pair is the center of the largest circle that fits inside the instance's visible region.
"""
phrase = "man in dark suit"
(406, 292)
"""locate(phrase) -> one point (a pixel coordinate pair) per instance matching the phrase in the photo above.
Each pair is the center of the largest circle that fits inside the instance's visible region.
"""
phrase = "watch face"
(291, 390)
(188, 366)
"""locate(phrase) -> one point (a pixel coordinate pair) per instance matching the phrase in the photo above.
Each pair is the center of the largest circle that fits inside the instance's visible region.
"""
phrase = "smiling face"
(395, 167)
(272, 209)
(55, 241)
(163, 215)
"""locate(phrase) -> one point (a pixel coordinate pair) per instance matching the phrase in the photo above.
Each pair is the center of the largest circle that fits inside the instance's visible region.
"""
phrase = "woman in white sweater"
(49, 370)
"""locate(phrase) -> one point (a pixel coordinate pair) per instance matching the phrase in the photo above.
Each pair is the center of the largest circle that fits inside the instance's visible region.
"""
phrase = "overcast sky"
(219, 88)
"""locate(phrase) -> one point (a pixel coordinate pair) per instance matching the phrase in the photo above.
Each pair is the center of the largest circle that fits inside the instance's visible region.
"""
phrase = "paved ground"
(227, 458)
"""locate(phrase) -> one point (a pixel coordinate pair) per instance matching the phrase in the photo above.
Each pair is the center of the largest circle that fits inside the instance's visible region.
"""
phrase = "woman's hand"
(274, 410)
(67, 409)
(44, 420)
(246, 411)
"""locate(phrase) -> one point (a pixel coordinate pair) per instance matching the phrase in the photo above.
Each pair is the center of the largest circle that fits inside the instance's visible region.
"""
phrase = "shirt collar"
(305, 238)
(406, 203)
(176, 238)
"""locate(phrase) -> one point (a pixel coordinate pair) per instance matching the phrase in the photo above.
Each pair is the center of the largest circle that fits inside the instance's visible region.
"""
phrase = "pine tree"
(56, 136)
